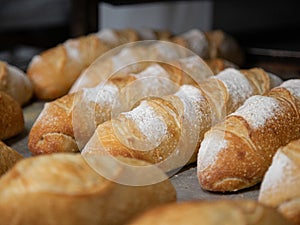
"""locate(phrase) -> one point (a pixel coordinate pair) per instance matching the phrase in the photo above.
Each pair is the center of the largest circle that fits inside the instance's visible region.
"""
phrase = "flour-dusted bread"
(169, 129)
(63, 189)
(212, 44)
(237, 212)
(14, 81)
(236, 153)
(8, 158)
(54, 71)
(280, 186)
(11, 119)
(56, 127)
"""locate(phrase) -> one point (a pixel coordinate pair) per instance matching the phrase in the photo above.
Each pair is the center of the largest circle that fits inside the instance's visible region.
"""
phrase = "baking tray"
(185, 181)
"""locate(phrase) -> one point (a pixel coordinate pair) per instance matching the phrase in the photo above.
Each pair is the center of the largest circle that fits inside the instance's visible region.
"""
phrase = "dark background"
(259, 26)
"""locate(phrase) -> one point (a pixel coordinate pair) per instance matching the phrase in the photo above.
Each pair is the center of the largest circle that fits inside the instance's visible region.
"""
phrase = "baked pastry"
(168, 130)
(154, 34)
(212, 44)
(11, 119)
(64, 189)
(132, 58)
(280, 186)
(8, 158)
(55, 129)
(236, 153)
(217, 65)
(209, 46)
(238, 212)
(14, 82)
(54, 71)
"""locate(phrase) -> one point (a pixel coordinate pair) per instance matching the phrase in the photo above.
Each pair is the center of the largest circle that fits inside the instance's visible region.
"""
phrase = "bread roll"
(8, 158)
(217, 65)
(54, 130)
(126, 60)
(236, 153)
(54, 71)
(168, 130)
(11, 119)
(237, 212)
(212, 44)
(153, 34)
(64, 189)
(14, 82)
(280, 186)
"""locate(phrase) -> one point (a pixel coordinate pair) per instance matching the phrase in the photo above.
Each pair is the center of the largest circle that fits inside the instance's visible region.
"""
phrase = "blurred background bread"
(237, 212)
(64, 189)
(11, 119)
(8, 158)
(280, 186)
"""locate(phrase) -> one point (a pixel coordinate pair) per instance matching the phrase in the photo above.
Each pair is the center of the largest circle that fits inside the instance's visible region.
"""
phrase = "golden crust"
(53, 130)
(11, 119)
(63, 189)
(54, 71)
(223, 45)
(120, 136)
(237, 212)
(217, 65)
(8, 158)
(280, 186)
(15, 83)
(245, 151)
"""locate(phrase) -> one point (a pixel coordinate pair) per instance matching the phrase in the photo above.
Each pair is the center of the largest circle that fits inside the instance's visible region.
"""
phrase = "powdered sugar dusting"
(277, 172)
(211, 146)
(125, 57)
(237, 85)
(154, 70)
(293, 86)
(164, 51)
(36, 59)
(153, 81)
(101, 94)
(147, 34)
(71, 47)
(150, 124)
(108, 35)
(190, 61)
(190, 97)
(257, 110)
(197, 42)
(195, 68)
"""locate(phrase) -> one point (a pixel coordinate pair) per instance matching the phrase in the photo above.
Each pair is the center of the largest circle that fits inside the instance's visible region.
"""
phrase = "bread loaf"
(64, 189)
(206, 46)
(152, 34)
(280, 185)
(238, 212)
(212, 44)
(53, 131)
(173, 126)
(14, 82)
(54, 71)
(8, 158)
(236, 153)
(129, 59)
(11, 119)
(132, 60)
